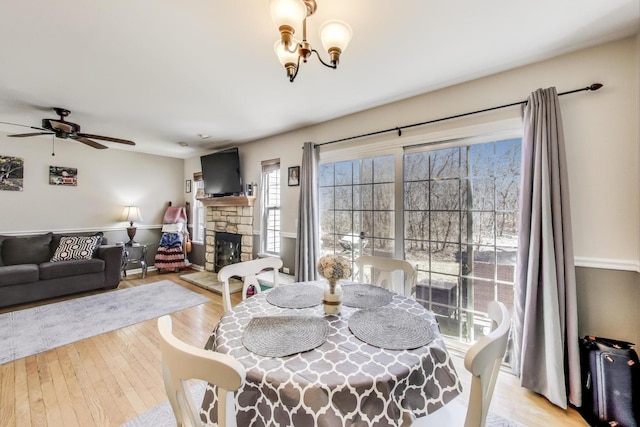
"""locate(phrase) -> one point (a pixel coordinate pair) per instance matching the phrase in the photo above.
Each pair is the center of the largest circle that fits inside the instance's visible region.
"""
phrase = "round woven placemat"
(365, 296)
(295, 296)
(279, 336)
(390, 328)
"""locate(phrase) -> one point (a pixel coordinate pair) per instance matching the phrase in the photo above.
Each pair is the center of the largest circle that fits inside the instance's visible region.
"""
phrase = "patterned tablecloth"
(342, 382)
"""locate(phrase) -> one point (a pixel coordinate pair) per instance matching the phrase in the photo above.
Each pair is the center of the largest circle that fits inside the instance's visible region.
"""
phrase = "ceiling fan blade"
(107, 138)
(24, 126)
(89, 142)
(24, 135)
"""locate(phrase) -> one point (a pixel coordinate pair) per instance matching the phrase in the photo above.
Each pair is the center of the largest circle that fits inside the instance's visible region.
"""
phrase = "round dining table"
(343, 381)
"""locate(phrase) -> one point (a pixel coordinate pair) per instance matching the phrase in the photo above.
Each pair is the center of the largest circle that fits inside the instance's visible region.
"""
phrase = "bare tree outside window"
(460, 210)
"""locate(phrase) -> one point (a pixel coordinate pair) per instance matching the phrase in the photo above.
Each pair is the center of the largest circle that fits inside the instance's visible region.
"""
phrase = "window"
(357, 207)
(457, 222)
(270, 196)
(460, 230)
(199, 212)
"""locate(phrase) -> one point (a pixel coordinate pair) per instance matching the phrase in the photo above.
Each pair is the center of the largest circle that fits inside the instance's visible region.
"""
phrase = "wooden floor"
(109, 379)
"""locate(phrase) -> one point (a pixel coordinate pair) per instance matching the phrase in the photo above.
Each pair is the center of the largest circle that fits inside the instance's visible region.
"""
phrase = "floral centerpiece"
(333, 268)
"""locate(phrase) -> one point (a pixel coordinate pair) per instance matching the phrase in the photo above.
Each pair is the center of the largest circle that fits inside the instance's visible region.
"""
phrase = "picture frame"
(11, 173)
(187, 186)
(63, 176)
(293, 177)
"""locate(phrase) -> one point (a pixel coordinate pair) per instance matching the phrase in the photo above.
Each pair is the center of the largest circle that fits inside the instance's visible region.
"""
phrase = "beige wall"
(601, 131)
(602, 142)
(108, 180)
(608, 303)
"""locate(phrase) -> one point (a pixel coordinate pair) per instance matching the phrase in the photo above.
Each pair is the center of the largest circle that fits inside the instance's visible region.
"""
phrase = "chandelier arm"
(292, 78)
(334, 65)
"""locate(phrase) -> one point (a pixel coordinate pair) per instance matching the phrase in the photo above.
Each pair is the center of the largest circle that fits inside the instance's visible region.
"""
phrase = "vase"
(332, 298)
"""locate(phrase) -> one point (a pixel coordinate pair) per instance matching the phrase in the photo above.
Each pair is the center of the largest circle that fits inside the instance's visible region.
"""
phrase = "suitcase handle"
(611, 342)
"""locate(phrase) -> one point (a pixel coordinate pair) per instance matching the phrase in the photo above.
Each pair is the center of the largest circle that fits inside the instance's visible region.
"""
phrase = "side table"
(135, 254)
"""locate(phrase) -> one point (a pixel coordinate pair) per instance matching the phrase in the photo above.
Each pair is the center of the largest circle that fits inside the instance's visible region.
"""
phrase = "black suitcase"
(610, 382)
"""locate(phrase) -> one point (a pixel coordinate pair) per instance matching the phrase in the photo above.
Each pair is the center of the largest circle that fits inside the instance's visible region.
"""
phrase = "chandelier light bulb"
(287, 15)
(335, 34)
(285, 56)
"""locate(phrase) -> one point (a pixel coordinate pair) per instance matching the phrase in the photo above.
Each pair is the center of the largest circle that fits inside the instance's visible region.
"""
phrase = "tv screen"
(221, 173)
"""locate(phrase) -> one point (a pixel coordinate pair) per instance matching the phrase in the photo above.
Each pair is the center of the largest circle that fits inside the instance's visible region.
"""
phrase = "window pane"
(326, 198)
(445, 226)
(383, 224)
(344, 197)
(445, 195)
(366, 171)
(384, 169)
(482, 194)
(481, 160)
(416, 225)
(325, 175)
(416, 195)
(445, 163)
(383, 197)
(416, 166)
(343, 173)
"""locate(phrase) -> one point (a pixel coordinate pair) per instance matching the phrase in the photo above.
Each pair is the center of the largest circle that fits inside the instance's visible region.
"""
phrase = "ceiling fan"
(64, 130)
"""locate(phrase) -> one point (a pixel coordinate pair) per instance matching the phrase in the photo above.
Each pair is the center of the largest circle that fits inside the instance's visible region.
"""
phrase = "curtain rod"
(594, 86)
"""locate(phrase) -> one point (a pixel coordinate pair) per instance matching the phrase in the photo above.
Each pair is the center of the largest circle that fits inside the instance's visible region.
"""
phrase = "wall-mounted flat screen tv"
(221, 173)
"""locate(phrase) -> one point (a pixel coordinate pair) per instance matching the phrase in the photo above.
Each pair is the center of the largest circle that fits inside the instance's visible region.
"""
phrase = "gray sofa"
(27, 272)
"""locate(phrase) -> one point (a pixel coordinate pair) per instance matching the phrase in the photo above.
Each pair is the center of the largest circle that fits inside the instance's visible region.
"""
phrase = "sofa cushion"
(26, 250)
(1, 239)
(76, 248)
(18, 274)
(55, 270)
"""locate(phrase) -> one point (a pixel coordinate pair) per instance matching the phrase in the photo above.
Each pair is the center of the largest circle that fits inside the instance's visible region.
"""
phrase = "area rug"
(34, 330)
(209, 281)
(162, 415)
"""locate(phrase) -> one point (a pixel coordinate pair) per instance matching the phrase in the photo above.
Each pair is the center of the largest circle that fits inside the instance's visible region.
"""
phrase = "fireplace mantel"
(228, 201)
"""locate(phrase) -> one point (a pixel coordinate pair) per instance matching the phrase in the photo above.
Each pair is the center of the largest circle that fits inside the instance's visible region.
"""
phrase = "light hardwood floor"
(111, 378)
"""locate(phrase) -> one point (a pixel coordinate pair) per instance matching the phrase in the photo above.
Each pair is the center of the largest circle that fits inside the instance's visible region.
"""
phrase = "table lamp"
(131, 213)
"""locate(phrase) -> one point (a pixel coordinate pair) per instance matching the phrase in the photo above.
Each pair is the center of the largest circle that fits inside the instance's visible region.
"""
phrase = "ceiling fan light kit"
(67, 130)
(289, 16)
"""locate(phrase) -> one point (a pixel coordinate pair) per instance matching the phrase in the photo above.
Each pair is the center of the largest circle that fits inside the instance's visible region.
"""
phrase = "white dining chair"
(182, 362)
(483, 361)
(248, 270)
(388, 269)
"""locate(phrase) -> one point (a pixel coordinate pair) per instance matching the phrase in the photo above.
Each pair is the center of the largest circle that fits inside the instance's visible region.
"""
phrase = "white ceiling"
(160, 72)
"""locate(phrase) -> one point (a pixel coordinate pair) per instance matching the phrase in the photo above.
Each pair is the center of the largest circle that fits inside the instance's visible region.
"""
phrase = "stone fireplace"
(232, 215)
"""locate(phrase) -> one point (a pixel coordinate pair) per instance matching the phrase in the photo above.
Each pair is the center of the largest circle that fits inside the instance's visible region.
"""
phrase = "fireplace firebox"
(228, 247)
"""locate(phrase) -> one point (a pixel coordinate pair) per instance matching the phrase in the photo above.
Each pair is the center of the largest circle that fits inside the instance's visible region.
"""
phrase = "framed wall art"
(62, 175)
(187, 186)
(11, 173)
(293, 178)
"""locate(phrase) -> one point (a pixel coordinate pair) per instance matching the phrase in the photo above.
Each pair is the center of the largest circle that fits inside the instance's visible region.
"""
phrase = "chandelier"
(288, 16)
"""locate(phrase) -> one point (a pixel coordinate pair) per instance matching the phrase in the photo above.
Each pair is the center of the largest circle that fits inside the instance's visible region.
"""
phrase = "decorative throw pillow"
(76, 247)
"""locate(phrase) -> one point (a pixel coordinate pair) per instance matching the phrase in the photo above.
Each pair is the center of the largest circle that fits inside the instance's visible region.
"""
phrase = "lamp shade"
(288, 12)
(284, 56)
(335, 34)
(131, 213)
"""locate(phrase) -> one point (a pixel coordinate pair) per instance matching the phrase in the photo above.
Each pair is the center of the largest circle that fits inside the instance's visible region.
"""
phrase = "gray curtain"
(308, 236)
(545, 332)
